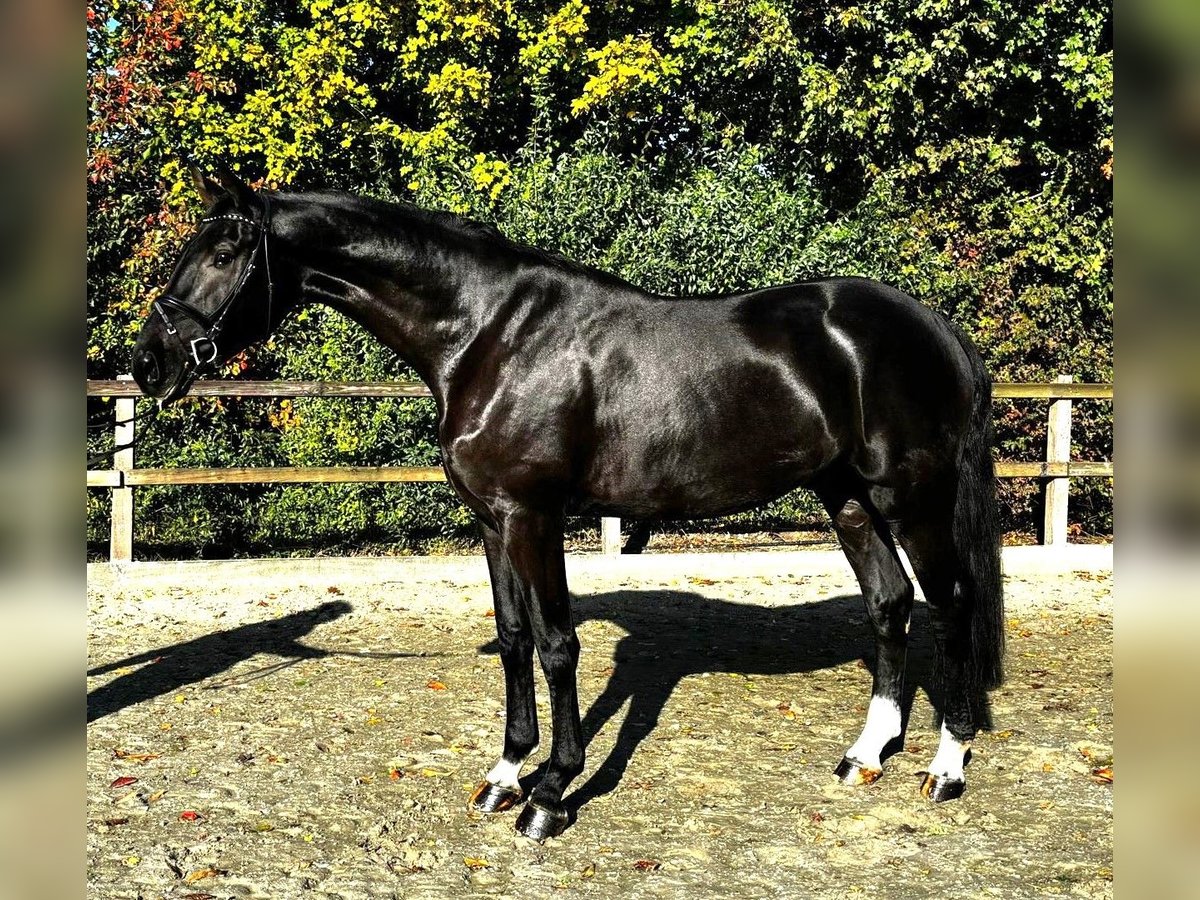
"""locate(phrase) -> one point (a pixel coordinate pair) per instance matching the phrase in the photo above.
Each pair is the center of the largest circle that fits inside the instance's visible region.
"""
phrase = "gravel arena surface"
(307, 728)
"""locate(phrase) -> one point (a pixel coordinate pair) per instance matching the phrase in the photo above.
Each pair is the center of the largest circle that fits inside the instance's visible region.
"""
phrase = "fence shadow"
(673, 634)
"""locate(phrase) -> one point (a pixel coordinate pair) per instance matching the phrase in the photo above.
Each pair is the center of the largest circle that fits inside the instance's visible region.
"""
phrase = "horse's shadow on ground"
(167, 669)
(669, 635)
(673, 634)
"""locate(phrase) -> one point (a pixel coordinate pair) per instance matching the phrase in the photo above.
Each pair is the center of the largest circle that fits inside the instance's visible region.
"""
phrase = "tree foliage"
(959, 150)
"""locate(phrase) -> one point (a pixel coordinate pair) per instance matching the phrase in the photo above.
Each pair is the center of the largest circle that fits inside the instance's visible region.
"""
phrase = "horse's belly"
(676, 465)
(705, 495)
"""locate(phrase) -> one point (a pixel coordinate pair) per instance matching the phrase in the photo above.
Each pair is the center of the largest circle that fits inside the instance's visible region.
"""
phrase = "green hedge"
(962, 152)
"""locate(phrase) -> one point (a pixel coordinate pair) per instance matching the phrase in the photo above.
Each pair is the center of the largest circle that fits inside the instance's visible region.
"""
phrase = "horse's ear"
(208, 189)
(242, 193)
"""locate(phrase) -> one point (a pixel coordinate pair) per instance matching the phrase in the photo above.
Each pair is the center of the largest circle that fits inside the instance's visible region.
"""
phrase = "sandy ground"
(315, 732)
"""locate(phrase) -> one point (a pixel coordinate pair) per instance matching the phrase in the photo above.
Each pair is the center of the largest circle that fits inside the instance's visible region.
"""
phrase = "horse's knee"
(516, 646)
(559, 655)
(853, 516)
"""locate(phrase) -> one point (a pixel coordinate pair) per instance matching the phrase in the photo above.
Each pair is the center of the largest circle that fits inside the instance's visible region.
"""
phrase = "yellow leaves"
(848, 18)
(465, 23)
(475, 863)
(556, 44)
(457, 85)
(285, 418)
(491, 176)
(621, 67)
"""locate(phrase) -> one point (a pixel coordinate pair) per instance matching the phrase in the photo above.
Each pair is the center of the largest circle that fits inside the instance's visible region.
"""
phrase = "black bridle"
(204, 350)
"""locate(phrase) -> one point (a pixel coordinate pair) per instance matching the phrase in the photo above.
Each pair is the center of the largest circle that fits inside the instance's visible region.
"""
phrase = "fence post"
(120, 547)
(1058, 449)
(610, 535)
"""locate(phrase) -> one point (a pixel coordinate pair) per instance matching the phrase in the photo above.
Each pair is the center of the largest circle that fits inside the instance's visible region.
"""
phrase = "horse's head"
(221, 296)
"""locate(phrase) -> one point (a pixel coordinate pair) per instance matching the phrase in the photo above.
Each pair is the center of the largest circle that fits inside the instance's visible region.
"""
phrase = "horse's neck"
(403, 288)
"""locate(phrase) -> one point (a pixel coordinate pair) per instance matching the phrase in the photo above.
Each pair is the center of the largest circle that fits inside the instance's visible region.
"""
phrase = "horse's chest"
(513, 443)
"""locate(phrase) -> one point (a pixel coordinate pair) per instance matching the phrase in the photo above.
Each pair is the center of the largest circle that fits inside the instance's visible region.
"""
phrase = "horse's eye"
(223, 258)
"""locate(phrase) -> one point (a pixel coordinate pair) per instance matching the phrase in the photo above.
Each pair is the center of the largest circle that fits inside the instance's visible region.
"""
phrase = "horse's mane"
(456, 226)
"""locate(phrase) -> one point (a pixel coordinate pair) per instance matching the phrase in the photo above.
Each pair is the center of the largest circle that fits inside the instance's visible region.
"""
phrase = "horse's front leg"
(533, 546)
(501, 788)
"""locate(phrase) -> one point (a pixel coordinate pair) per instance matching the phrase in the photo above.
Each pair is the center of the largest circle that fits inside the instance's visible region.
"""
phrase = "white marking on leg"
(883, 724)
(507, 773)
(948, 761)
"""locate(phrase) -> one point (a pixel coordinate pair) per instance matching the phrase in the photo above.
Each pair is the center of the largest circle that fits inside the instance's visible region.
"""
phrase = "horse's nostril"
(148, 363)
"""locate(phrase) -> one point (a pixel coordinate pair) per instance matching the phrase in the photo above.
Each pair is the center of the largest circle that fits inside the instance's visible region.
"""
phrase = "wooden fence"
(1055, 470)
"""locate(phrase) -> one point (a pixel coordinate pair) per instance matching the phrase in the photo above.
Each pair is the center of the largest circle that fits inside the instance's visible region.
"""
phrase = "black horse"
(564, 390)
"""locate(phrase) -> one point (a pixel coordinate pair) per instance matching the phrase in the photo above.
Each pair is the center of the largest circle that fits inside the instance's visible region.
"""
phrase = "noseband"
(204, 349)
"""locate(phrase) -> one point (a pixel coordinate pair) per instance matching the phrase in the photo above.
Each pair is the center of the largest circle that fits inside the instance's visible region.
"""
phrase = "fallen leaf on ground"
(589, 871)
(334, 589)
(118, 820)
(647, 865)
(436, 686)
(134, 757)
(155, 797)
(132, 861)
(475, 863)
(395, 774)
(189, 815)
(201, 874)
(1103, 775)
(199, 895)
(490, 614)
(123, 781)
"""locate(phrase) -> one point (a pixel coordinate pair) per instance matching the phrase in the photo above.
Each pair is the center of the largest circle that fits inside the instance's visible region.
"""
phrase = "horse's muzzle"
(148, 372)
(163, 378)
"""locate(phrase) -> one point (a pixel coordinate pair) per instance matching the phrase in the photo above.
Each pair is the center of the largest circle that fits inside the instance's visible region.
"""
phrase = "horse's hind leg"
(964, 709)
(888, 593)
(501, 788)
(639, 537)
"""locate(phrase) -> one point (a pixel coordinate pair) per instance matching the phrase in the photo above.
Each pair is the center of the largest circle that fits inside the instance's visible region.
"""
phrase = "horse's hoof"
(850, 771)
(540, 823)
(939, 788)
(493, 798)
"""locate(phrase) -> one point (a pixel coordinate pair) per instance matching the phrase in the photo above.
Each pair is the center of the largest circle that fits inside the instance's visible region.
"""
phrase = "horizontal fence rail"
(1020, 390)
(1055, 470)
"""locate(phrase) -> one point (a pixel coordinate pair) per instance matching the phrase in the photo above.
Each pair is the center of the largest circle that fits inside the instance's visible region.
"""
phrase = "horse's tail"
(976, 527)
